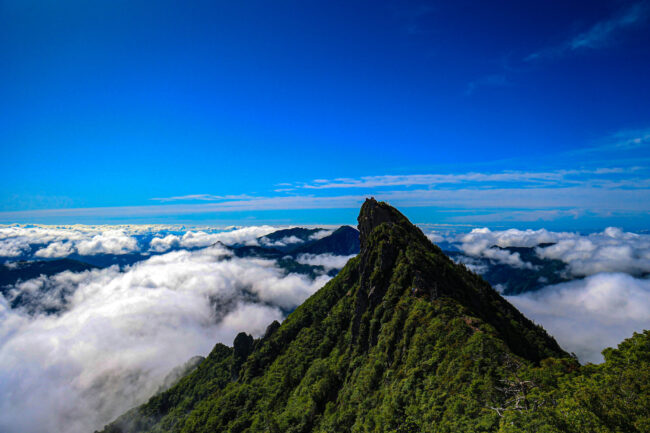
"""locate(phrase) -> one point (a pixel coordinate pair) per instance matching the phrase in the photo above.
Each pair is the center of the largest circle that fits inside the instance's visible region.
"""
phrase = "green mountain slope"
(401, 340)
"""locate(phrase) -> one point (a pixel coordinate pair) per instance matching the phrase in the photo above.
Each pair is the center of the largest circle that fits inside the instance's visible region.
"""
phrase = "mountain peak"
(401, 324)
(373, 214)
(398, 260)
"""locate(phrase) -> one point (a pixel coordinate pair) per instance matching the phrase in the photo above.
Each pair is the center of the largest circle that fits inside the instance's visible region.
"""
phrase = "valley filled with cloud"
(93, 318)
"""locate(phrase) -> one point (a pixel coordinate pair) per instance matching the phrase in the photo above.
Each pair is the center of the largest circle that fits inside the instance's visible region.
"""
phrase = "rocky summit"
(403, 340)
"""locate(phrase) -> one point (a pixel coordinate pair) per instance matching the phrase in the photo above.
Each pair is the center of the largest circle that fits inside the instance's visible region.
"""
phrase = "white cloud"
(506, 257)
(320, 234)
(108, 242)
(122, 331)
(202, 197)
(13, 248)
(588, 315)
(285, 241)
(621, 141)
(55, 249)
(535, 178)
(16, 240)
(512, 237)
(435, 237)
(599, 34)
(481, 242)
(61, 241)
(245, 235)
(86, 240)
(474, 265)
(543, 196)
(161, 244)
(612, 250)
(602, 31)
(255, 318)
(327, 261)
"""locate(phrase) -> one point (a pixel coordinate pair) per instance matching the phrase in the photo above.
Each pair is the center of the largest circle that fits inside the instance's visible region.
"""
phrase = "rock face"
(373, 214)
(242, 347)
(376, 261)
(402, 339)
(271, 329)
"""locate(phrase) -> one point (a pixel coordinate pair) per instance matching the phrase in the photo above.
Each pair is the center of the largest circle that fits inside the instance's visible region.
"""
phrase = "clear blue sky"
(507, 113)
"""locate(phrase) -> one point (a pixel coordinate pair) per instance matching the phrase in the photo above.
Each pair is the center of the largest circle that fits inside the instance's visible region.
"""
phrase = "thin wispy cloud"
(621, 141)
(599, 34)
(602, 32)
(525, 195)
(578, 198)
(201, 197)
(602, 191)
(522, 178)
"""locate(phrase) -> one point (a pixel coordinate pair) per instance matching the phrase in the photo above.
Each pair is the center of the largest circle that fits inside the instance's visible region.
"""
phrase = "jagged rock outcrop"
(271, 329)
(242, 347)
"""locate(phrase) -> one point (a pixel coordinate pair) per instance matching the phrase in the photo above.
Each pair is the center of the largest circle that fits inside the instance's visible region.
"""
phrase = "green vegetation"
(403, 340)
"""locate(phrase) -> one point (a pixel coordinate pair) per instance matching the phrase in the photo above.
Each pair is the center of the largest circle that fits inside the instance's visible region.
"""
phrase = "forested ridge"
(403, 340)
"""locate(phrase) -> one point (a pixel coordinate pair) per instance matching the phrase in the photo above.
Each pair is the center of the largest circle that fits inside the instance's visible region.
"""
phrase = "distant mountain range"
(343, 241)
(31, 300)
(513, 280)
(292, 250)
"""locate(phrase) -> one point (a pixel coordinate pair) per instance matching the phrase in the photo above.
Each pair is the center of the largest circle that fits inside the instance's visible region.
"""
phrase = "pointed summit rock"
(373, 214)
(397, 260)
(401, 340)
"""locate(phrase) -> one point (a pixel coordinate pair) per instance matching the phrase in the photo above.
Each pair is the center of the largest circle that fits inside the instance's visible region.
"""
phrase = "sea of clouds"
(608, 298)
(119, 330)
(611, 250)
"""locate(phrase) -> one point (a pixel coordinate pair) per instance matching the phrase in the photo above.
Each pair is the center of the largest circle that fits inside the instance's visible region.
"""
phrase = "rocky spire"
(397, 260)
(374, 213)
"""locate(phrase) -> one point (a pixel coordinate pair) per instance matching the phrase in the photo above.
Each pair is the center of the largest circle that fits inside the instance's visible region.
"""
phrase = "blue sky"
(508, 114)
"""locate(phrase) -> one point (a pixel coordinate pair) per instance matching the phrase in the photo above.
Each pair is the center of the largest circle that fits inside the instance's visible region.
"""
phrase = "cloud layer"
(611, 250)
(590, 314)
(92, 344)
(121, 331)
(605, 193)
(56, 242)
(327, 261)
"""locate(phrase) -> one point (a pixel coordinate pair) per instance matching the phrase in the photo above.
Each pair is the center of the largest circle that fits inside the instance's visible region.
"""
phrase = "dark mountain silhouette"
(516, 280)
(42, 300)
(288, 239)
(343, 242)
(12, 273)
